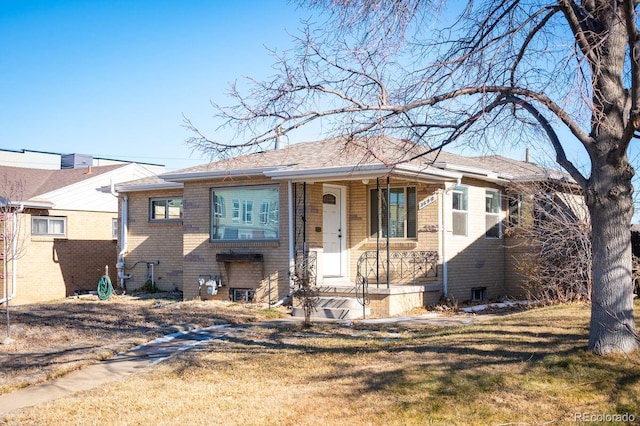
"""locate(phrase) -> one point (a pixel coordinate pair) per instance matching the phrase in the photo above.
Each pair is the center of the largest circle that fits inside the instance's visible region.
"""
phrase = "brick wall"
(199, 252)
(153, 241)
(53, 268)
(359, 223)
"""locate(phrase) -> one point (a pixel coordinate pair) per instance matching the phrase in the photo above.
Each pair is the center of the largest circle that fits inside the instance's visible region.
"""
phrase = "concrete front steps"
(334, 308)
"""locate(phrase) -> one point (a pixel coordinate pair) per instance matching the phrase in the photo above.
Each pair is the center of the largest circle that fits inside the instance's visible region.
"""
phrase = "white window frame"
(247, 212)
(49, 220)
(114, 228)
(264, 213)
(495, 216)
(235, 210)
(220, 207)
(464, 190)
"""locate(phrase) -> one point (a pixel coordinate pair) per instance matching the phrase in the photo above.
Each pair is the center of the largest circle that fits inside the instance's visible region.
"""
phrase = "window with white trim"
(235, 210)
(165, 209)
(493, 203)
(247, 211)
(240, 225)
(219, 208)
(49, 226)
(114, 228)
(459, 210)
(401, 212)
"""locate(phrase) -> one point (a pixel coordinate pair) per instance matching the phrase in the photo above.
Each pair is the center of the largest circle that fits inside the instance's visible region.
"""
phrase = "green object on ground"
(105, 289)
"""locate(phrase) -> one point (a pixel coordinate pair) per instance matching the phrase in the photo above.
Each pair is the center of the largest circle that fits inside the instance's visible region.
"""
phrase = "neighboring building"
(380, 220)
(30, 159)
(66, 229)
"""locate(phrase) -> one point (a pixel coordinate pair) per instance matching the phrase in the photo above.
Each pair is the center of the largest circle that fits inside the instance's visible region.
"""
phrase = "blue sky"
(112, 78)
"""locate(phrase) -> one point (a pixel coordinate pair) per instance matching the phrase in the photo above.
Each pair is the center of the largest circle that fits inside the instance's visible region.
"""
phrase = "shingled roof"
(351, 155)
(36, 182)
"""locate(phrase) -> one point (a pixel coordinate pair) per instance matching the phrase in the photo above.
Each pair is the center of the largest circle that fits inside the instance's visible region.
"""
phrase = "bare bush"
(555, 234)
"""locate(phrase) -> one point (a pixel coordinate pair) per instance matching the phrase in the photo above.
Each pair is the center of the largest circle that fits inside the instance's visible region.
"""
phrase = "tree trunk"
(610, 202)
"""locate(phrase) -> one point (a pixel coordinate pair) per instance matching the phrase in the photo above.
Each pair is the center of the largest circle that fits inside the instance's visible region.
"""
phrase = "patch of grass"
(529, 367)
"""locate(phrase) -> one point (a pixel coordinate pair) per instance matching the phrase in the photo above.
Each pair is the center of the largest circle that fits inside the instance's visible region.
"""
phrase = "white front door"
(333, 232)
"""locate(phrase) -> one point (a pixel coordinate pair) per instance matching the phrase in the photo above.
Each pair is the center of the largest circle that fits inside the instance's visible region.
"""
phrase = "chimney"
(526, 155)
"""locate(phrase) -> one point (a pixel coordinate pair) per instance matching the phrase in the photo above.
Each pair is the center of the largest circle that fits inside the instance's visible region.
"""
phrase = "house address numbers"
(424, 203)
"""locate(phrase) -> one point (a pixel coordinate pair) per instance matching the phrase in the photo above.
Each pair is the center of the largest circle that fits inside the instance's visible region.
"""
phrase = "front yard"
(527, 367)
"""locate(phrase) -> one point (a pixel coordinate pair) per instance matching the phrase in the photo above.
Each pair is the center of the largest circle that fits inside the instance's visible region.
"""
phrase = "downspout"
(124, 221)
(445, 259)
(445, 263)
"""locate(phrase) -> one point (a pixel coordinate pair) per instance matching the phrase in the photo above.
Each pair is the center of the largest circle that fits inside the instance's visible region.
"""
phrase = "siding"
(475, 261)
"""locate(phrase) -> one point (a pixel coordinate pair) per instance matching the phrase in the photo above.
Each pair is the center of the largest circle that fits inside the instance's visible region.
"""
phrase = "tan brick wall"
(359, 223)
(153, 241)
(53, 268)
(199, 252)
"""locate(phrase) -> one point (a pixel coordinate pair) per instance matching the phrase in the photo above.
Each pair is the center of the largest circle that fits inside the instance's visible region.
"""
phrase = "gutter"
(482, 174)
(215, 174)
(366, 171)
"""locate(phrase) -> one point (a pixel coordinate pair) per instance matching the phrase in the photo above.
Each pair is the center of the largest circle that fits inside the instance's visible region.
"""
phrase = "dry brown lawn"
(51, 339)
(528, 367)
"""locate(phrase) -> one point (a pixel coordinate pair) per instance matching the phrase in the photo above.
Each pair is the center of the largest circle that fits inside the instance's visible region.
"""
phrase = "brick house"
(58, 230)
(381, 221)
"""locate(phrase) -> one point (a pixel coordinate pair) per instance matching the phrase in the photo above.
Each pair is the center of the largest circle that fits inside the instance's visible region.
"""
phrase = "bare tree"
(11, 192)
(500, 71)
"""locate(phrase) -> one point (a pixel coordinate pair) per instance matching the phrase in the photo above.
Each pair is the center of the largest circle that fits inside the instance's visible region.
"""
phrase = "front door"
(333, 231)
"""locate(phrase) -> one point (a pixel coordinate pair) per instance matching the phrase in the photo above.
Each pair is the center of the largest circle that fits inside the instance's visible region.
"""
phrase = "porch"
(387, 283)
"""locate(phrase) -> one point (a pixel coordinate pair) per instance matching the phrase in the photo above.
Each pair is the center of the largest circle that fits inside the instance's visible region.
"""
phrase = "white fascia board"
(36, 204)
(427, 172)
(476, 172)
(214, 174)
(143, 187)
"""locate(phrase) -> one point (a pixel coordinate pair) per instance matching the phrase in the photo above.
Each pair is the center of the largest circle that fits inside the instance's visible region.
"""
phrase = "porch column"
(388, 221)
(291, 231)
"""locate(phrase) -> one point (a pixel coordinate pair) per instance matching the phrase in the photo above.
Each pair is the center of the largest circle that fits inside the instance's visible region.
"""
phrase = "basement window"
(242, 294)
(477, 294)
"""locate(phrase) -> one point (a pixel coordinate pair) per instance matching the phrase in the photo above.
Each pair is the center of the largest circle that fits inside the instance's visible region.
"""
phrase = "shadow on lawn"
(462, 363)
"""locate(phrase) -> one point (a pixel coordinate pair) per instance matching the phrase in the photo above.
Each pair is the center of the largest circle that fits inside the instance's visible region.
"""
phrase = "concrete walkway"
(157, 350)
(110, 370)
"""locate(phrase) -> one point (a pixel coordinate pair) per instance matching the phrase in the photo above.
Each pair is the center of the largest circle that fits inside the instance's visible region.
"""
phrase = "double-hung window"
(493, 204)
(460, 210)
(393, 211)
(165, 209)
(245, 223)
(49, 226)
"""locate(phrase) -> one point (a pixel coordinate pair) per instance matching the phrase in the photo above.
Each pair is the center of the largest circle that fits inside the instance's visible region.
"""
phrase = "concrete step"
(334, 308)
